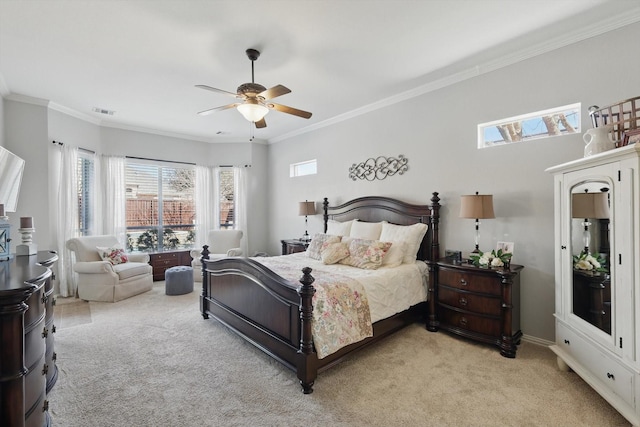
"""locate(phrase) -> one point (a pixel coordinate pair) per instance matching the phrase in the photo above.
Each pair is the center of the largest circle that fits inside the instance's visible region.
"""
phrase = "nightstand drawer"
(470, 322)
(469, 301)
(469, 282)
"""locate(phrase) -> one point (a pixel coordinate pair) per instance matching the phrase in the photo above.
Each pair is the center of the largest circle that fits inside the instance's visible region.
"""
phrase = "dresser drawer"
(469, 322)
(36, 308)
(34, 344)
(34, 386)
(470, 282)
(469, 301)
(609, 371)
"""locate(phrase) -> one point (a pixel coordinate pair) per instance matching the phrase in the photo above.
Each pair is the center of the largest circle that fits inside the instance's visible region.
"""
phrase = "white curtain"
(207, 203)
(113, 197)
(241, 176)
(67, 217)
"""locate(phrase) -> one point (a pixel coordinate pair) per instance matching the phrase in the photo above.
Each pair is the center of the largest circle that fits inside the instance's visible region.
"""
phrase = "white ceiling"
(339, 57)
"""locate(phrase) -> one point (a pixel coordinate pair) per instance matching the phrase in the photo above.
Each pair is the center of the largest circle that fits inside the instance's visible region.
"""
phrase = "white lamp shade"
(589, 205)
(477, 206)
(253, 112)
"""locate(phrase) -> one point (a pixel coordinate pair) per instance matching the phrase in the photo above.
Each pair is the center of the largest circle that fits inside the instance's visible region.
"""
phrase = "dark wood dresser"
(27, 356)
(479, 303)
(160, 261)
(293, 246)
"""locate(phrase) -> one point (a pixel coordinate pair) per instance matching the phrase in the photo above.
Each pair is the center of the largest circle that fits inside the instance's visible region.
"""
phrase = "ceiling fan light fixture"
(253, 112)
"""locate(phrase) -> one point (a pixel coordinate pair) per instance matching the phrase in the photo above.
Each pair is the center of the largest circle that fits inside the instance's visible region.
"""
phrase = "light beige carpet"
(152, 360)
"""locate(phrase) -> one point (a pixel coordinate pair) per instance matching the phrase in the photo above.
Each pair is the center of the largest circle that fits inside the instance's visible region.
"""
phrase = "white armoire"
(597, 274)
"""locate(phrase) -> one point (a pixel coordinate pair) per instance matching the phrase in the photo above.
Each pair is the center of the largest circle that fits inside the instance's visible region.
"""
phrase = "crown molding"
(567, 39)
(74, 113)
(177, 135)
(27, 99)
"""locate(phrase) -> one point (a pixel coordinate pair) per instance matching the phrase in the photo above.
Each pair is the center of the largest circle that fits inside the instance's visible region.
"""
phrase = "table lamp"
(306, 208)
(477, 206)
(589, 205)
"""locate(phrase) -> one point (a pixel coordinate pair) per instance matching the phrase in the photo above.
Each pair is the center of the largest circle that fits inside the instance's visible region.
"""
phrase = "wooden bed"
(275, 314)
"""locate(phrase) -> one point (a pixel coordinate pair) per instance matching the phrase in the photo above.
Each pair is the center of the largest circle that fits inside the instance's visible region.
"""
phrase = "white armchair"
(100, 280)
(222, 244)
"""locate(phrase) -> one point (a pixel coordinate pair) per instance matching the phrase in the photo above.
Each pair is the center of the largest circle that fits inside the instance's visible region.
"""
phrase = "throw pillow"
(334, 252)
(410, 235)
(313, 251)
(114, 255)
(366, 254)
(366, 230)
(338, 228)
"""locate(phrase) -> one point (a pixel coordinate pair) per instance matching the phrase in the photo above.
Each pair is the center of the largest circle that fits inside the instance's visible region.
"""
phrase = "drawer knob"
(45, 332)
(463, 301)
(463, 282)
(45, 369)
(53, 329)
(45, 406)
(567, 342)
(611, 376)
(463, 321)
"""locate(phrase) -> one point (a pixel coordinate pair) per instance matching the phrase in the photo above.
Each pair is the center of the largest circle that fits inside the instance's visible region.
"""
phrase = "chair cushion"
(131, 269)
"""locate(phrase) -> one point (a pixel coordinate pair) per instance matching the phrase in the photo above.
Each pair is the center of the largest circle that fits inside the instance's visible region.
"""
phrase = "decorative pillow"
(366, 230)
(115, 255)
(334, 252)
(395, 255)
(367, 254)
(410, 235)
(313, 251)
(338, 228)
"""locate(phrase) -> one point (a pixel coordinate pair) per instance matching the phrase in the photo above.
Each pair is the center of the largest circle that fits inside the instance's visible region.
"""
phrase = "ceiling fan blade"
(290, 110)
(261, 123)
(213, 110)
(275, 91)
(213, 89)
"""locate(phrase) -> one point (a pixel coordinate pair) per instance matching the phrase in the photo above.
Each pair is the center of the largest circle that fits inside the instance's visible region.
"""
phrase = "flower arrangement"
(588, 262)
(494, 258)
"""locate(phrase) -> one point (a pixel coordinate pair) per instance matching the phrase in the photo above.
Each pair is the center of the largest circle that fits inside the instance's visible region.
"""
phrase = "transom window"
(309, 167)
(540, 124)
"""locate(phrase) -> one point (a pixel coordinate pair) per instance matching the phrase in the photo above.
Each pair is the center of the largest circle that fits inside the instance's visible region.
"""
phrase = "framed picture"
(630, 136)
(505, 246)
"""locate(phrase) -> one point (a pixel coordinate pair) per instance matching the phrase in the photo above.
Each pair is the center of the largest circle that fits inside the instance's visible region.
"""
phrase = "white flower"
(583, 264)
(485, 259)
(497, 262)
(591, 260)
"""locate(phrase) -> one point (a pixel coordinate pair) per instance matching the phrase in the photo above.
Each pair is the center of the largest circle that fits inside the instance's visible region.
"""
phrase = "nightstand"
(292, 246)
(479, 303)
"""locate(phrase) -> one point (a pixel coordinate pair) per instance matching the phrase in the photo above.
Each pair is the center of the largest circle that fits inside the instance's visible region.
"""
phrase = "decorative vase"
(598, 140)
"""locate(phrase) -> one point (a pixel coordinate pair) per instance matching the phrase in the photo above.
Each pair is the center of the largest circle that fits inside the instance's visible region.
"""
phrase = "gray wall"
(437, 133)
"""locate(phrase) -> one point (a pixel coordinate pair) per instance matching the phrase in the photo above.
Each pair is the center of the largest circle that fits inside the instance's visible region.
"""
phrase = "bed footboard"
(265, 309)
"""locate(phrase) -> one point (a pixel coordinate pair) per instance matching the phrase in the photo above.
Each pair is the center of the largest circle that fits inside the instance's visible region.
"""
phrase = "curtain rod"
(79, 148)
(158, 160)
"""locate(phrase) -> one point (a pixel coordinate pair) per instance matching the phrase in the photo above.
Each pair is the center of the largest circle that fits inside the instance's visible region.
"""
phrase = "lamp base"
(26, 249)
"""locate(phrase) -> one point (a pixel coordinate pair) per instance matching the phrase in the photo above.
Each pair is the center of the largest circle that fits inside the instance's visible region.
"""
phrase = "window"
(160, 209)
(541, 124)
(86, 193)
(227, 191)
(310, 167)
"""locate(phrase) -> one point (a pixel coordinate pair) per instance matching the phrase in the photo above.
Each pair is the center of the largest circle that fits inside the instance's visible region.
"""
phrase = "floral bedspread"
(340, 308)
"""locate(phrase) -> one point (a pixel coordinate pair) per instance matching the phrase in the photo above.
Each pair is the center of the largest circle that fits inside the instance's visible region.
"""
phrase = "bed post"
(306, 368)
(205, 282)
(432, 321)
(325, 207)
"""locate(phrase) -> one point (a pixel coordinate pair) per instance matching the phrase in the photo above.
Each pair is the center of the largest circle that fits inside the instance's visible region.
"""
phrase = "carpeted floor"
(152, 360)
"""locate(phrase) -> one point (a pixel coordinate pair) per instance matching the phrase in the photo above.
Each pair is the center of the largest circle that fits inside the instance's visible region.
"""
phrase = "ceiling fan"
(255, 98)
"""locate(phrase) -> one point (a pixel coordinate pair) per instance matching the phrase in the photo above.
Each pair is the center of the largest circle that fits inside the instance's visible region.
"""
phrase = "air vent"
(103, 111)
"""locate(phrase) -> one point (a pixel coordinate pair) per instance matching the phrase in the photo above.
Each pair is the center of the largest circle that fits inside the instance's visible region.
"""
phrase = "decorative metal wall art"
(379, 168)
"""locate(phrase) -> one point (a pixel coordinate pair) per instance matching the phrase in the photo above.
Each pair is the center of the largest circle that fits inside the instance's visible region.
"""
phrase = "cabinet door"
(595, 301)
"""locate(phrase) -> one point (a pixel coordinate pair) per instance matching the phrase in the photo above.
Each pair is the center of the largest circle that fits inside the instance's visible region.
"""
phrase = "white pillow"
(338, 228)
(366, 230)
(395, 255)
(410, 235)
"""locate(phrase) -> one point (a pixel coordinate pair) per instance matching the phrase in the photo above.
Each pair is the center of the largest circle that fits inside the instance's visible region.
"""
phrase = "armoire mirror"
(590, 249)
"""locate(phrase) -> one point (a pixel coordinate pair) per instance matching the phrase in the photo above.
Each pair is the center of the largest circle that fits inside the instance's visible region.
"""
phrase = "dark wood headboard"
(376, 209)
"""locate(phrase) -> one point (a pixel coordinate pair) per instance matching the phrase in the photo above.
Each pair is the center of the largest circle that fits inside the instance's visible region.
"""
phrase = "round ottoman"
(178, 280)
